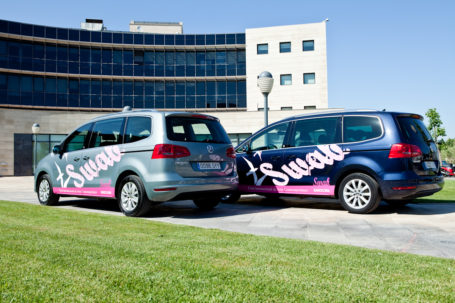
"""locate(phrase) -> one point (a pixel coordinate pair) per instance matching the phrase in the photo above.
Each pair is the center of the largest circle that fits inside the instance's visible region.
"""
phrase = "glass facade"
(87, 69)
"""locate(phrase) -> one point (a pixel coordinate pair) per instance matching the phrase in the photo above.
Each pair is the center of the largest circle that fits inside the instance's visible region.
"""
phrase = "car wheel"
(231, 198)
(359, 193)
(131, 196)
(45, 191)
(207, 203)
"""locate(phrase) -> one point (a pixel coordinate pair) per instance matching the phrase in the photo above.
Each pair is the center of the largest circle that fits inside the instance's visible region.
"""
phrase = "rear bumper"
(409, 189)
(190, 188)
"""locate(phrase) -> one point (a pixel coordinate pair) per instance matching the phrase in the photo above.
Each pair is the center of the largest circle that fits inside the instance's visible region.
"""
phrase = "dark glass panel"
(14, 49)
(38, 51)
(51, 85)
(26, 98)
(221, 101)
(170, 71)
(117, 38)
(220, 39)
(241, 87)
(117, 87)
(200, 39)
(51, 66)
(221, 57)
(179, 40)
(149, 39)
(149, 88)
(231, 87)
(159, 58)
(38, 31)
(200, 88)
(26, 84)
(200, 102)
(200, 57)
(138, 70)
(211, 87)
(51, 32)
(200, 70)
(51, 52)
(170, 57)
(106, 102)
(95, 101)
(62, 86)
(27, 50)
(211, 101)
(128, 70)
(73, 34)
(240, 38)
(149, 70)
(14, 63)
(117, 69)
(62, 66)
(62, 33)
(3, 81)
(95, 55)
(106, 69)
(3, 47)
(230, 39)
(169, 40)
(169, 102)
(159, 102)
(3, 26)
(38, 99)
(159, 39)
(128, 57)
(170, 88)
(106, 37)
(85, 54)
(84, 86)
(139, 101)
(210, 40)
(84, 100)
(128, 101)
(96, 36)
(73, 54)
(38, 65)
(190, 70)
(180, 102)
(159, 88)
(107, 87)
(62, 53)
(50, 99)
(190, 102)
(117, 56)
(95, 68)
(14, 28)
(62, 100)
(241, 57)
(138, 38)
(180, 88)
(210, 57)
(95, 87)
(190, 88)
(117, 101)
(231, 101)
(190, 39)
(285, 47)
(127, 88)
(190, 58)
(106, 55)
(27, 29)
(308, 45)
(159, 70)
(138, 88)
(84, 35)
(138, 57)
(73, 86)
(149, 57)
(127, 38)
(73, 100)
(84, 68)
(231, 70)
(221, 70)
(221, 88)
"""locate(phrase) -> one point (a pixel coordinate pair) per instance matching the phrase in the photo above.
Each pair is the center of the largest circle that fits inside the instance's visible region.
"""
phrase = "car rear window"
(190, 129)
(414, 130)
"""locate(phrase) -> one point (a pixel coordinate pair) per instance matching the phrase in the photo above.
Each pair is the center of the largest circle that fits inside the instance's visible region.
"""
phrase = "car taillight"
(404, 150)
(170, 151)
(230, 152)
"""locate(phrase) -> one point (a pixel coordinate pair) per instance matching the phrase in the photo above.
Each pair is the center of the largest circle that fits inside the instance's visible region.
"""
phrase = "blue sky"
(397, 55)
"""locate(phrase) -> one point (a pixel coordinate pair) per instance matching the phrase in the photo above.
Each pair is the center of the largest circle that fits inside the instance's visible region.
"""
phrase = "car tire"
(207, 203)
(359, 193)
(45, 191)
(132, 198)
(231, 198)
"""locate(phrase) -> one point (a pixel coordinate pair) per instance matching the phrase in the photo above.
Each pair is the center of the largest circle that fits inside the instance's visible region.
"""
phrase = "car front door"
(259, 162)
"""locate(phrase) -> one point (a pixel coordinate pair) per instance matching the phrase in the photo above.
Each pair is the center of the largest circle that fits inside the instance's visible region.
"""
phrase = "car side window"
(77, 139)
(272, 138)
(361, 128)
(317, 131)
(137, 128)
(107, 132)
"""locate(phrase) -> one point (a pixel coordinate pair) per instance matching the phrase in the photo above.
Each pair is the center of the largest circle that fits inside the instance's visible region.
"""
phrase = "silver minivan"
(140, 158)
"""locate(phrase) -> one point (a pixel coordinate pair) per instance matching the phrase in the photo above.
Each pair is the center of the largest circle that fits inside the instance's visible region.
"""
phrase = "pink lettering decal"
(309, 190)
(101, 192)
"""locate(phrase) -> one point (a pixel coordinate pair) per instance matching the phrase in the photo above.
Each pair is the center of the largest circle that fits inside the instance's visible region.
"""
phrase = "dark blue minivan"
(359, 157)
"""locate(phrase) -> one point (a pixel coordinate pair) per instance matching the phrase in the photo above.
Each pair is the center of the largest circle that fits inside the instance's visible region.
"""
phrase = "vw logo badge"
(210, 148)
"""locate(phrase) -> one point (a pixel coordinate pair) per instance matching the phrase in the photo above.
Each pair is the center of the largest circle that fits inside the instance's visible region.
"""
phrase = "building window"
(309, 78)
(309, 107)
(308, 45)
(263, 49)
(286, 108)
(285, 47)
(286, 79)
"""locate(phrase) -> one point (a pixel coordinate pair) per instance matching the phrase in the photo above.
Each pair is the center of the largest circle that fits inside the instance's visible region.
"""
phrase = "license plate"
(429, 165)
(208, 165)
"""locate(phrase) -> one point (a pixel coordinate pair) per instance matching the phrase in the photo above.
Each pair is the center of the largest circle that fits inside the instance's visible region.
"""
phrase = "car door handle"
(76, 159)
(275, 158)
(86, 158)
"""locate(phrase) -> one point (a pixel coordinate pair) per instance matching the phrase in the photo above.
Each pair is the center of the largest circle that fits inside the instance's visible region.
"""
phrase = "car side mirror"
(247, 149)
(57, 149)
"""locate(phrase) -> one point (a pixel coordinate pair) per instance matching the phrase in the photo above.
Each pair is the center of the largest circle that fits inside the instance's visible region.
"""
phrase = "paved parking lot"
(425, 229)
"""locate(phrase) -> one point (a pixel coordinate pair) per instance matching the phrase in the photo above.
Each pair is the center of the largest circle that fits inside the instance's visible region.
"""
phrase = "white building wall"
(297, 62)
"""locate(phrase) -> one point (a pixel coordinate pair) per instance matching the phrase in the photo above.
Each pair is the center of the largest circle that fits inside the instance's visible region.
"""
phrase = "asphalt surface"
(424, 228)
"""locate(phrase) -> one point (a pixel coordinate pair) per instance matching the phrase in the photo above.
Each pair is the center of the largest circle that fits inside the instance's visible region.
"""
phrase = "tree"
(435, 125)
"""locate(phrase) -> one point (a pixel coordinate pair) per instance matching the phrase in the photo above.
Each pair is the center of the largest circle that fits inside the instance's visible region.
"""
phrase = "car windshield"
(192, 129)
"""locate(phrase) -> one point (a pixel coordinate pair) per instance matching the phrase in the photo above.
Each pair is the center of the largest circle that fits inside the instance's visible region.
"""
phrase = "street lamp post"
(265, 84)
(35, 131)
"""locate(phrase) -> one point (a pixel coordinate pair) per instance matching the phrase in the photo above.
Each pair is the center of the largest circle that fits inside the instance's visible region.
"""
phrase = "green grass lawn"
(447, 194)
(53, 254)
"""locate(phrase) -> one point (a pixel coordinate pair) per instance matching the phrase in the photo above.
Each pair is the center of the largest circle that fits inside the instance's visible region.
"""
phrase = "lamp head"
(265, 82)
(35, 128)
